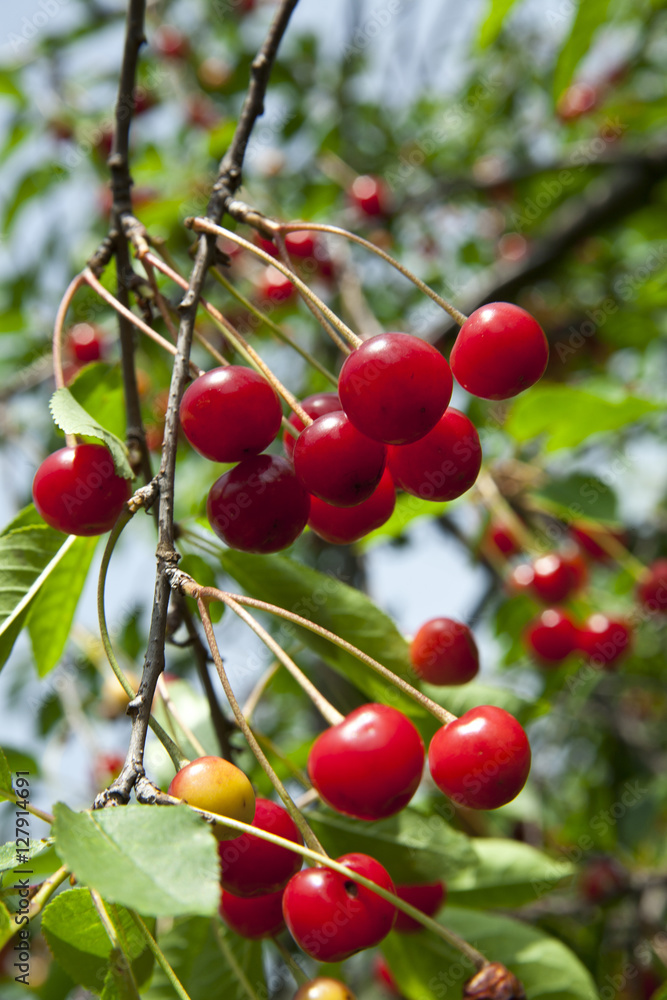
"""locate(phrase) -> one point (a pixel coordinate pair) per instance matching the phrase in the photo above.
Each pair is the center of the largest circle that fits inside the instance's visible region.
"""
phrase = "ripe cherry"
(557, 576)
(552, 636)
(259, 505)
(652, 588)
(301, 243)
(370, 764)
(337, 463)
(602, 878)
(332, 917)
(315, 406)
(171, 43)
(324, 988)
(345, 525)
(384, 976)
(500, 351)
(77, 490)
(265, 244)
(502, 538)
(254, 867)
(427, 897)
(604, 640)
(87, 342)
(369, 194)
(444, 652)
(481, 760)
(228, 414)
(261, 916)
(218, 786)
(274, 287)
(395, 387)
(589, 538)
(577, 100)
(443, 464)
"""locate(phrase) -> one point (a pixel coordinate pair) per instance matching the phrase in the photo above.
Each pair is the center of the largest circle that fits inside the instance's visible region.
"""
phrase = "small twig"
(223, 727)
(160, 957)
(10, 795)
(177, 717)
(37, 903)
(230, 958)
(260, 687)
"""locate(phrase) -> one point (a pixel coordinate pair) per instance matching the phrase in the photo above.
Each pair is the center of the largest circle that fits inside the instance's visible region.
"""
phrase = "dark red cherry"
(604, 640)
(557, 576)
(345, 525)
(602, 878)
(315, 406)
(427, 897)
(370, 195)
(577, 100)
(300, 243)
(259, 505)
(444, 651)
(254, 867)
(230, 413)
(77, 490)
(332, 917)
(87, 342)
(652, 588)
(395, 387)
(502, 539)
(261, 916)
(443, 464)
(274, 287)
(370, 764)
(384, 977)
(337, 463)
(499, 351)
(590, 539)
(552, 636)
(170, 42)
(482, 760)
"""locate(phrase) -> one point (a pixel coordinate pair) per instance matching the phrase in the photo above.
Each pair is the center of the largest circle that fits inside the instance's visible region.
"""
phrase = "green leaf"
(466, 696)
(507, 874)
(341, 609)
(192, 949)
(118, 984)
(5, 773)
(37, 847)
(98, 388)
(71, 417)
(161, 861)
(407, 510)
(424, 965)
(580, 495)
(493, 22)
(5, 922)
(591, 14)
(52, 610)
(568, 416)
(80, 944)
(412, 847)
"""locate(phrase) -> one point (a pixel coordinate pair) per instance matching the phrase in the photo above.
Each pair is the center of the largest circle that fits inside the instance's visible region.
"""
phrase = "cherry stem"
(300, 977)
(175, 715)
(206, 226)
(10, 794)
(230, 958)
(160, 957)
(301, 822)
(260, 687)
(277, 330)
(37, 904)
(317, 227)
(501, 511)
(63, 308)
(119, 952)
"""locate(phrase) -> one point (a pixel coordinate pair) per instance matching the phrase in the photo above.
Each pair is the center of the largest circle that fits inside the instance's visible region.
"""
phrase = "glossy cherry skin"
(369, 194)
(444, 651)
(337, 463)
(253, 867)
(604, 640)
(259, 505)
(369, 765)
(331, 917)
(444, 464)
(300, 243)
(77, 490)
(259, 917)
(274, 287)
(482, 760)
(87, 342)
(324, 988)
(315, 406)
(230, 413)
(345, 525)
(652, 589)
(499, 351)
(395, 387)
(557, 576)
(552, 636)
(428, 898)
(218, 786)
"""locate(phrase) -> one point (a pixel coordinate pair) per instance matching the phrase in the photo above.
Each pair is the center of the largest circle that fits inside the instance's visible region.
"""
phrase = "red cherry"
(337, 463)
(268, 246)
(370, 195)
(315, 406)
(588, 538)
(652, 588)
(301, 243)
(201, 111)
(384, 977)
(481, 760)
(501, 537)
(395, 387)
(168, 41)
(602, 879)
(77, 490)
(345, 525)
(254, 867)
(444, 652)
(444, 464)
(557, 576)
(87, 342)
(261, 916)
(331, 917)
(143, 100)
(230, 413)
(370, 764)
(259, 505)
(604, 640)
(427, 898)
(500, 351)
(576, 101)
(274, 287)
(552, 636)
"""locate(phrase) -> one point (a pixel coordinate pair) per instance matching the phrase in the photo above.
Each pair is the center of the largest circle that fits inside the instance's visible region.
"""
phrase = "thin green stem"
(176, 717)
(299, 975)
(118, 947)
(230, 958)
(37, 903)
(33, 810)
(160, 957)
